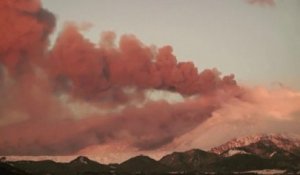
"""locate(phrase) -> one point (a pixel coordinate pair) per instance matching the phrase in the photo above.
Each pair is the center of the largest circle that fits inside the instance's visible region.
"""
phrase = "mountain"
(7, 169)
(40, 167)
(258, 152)
(142, 164)
(83, 164)
(194, 159)
(243, 155)
(80, 165)
(240, 162)
(284, 142)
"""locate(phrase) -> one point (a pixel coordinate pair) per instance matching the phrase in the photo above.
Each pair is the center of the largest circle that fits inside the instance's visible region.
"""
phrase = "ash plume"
(39, 87)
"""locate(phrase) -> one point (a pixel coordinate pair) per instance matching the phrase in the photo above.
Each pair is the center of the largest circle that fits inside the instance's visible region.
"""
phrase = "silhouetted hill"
(6, 169)
(142, 164)
(241, 162)
(40, 167)
(80, 165)
(83, 164)
(195, 159)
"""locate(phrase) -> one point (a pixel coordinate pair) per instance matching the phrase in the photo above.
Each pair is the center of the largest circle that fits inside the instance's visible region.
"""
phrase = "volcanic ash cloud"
(78, 94)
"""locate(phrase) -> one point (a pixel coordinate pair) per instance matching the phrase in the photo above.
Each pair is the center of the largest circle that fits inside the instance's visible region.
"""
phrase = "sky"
(112, 80)
(258, 42)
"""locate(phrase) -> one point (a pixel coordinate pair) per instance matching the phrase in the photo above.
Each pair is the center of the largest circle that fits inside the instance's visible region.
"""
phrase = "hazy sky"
(260, 44)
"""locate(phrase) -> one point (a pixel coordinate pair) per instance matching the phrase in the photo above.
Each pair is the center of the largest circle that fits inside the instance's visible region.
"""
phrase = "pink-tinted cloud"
(262, 110)
(35, 117)
(93, 71)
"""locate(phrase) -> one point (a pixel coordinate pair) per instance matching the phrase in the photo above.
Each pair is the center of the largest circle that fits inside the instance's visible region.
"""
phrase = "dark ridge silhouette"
(7, 169)
(259, 155)
(80, 165)
(142, 164)
(194, 159)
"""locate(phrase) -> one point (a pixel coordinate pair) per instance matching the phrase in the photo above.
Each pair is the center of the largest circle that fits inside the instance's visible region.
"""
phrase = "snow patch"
(233, 152)
(267, 171)
(272, 154)
(82, 160)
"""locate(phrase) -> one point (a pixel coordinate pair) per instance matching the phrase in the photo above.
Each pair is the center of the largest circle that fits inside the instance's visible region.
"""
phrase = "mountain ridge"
(237, 155)
(284, 141)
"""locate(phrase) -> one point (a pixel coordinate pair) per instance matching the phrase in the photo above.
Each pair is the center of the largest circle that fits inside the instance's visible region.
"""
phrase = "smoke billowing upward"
(94, 70)
(24, 34)
(77, 94)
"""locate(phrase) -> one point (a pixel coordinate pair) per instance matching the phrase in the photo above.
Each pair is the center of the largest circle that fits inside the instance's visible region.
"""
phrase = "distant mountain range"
(248, 155)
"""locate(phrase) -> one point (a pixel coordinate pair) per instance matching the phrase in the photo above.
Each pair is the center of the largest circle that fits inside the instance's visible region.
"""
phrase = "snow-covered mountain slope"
(233, 152)
(288, 143)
